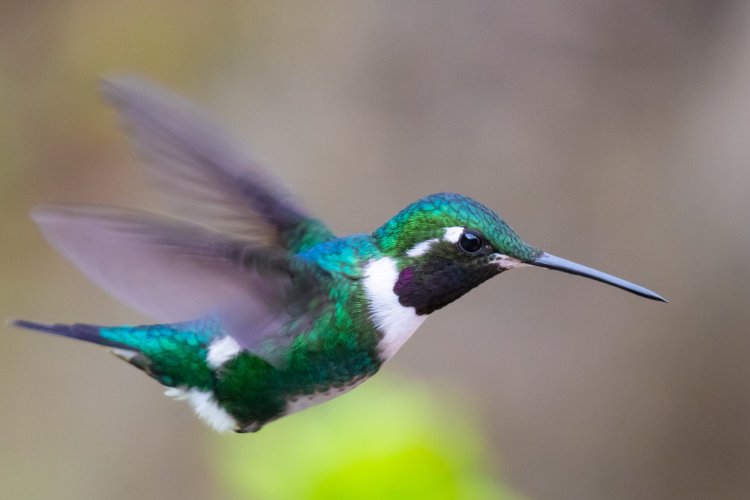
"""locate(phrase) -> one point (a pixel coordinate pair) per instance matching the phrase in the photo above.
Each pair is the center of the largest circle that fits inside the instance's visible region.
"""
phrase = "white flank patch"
(421, 248)
(222, 350)
(204, 405)
(396, 322)
(209, 411)
(452, 234)
(176, 393)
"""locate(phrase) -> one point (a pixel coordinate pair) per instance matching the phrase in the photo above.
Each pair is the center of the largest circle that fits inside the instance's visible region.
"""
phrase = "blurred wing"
(210, 180)
(175, 271)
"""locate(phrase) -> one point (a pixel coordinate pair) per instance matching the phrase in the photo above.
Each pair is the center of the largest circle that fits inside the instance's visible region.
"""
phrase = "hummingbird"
(258, 309)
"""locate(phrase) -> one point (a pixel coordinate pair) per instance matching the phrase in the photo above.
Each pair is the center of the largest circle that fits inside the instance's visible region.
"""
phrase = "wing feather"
(209, 178)
(174, 271)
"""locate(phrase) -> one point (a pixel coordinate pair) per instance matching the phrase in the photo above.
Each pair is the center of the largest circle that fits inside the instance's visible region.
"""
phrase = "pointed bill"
(566, 266)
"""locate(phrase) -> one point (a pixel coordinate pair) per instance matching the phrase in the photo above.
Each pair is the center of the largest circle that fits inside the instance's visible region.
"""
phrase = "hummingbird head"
(446, 244)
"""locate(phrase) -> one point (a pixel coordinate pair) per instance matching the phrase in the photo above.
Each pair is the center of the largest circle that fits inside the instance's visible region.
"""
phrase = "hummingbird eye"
(470, 242)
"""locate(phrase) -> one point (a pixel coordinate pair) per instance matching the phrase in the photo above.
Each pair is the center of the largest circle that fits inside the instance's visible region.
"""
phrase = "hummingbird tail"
(80, 331)
(175, 355)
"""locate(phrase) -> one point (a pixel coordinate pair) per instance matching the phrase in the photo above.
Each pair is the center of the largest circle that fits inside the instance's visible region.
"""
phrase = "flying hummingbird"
(260, 310)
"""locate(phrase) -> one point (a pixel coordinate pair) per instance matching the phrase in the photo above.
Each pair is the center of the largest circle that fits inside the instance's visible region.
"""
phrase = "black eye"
(470, 242)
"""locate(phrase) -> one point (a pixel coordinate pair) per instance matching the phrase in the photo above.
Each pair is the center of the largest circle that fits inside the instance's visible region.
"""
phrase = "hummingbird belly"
(318, 368)
(300, 402)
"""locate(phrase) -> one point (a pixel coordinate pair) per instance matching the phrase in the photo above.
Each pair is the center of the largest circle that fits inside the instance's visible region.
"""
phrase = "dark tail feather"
(80, 331)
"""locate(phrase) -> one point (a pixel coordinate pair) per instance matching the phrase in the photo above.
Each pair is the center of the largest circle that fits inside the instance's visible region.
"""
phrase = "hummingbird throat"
(436, 275)
(433, 284)
(430, 278)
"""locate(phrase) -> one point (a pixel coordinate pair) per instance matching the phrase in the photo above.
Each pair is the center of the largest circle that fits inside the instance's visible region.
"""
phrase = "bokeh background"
(615, 133)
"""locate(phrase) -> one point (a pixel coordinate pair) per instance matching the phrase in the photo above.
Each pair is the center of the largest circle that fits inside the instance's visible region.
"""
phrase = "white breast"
(396, 322)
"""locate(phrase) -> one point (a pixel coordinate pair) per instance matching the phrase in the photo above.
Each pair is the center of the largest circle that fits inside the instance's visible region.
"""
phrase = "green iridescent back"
(339, 348)
(336, 348)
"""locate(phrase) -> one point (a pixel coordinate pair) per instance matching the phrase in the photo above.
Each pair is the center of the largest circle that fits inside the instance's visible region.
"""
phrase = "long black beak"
(566, 266)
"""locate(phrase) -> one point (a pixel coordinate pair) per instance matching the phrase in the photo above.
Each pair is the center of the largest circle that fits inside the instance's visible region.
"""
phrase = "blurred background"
(614, 133)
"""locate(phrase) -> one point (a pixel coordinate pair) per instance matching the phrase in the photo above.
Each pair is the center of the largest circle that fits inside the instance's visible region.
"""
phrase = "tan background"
(614, 133)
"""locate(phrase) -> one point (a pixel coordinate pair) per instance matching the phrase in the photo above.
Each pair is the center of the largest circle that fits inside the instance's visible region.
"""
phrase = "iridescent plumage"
(260, 309)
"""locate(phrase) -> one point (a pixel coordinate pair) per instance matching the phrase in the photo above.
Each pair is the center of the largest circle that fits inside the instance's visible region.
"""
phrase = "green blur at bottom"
(387, 439)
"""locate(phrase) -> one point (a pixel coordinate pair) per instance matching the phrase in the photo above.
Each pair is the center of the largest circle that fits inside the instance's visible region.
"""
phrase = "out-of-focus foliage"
(389, 439)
